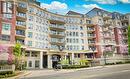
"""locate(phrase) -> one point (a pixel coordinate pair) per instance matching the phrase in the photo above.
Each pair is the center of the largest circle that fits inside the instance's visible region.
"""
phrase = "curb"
(23, 74)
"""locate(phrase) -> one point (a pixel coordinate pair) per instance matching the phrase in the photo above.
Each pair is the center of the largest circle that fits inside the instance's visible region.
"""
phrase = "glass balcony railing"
(20, 32)
(57, 40)
(57, 26)
(57, 33)
(20, 41)
(23, 15)
(22, 24)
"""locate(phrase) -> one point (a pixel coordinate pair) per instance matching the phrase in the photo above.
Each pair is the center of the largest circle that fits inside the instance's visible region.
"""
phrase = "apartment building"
(48, 37)
(112, 31)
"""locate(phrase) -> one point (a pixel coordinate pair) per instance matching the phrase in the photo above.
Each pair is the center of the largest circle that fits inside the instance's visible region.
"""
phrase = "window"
(7, 8)
(82, 47)
(77, 34)
(30, 26)
(82, 40)
(30, 18)
(81, 35)
(37, 63)
(81, 28)
(31, 10)
(29, 43)
(5, 37)
(30, 34)
(73, 33)
(6, 27)
(30, 64)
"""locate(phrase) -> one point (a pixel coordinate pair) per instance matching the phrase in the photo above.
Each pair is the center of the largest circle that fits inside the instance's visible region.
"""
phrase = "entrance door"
(37, 63)
(45, 61)
(55, 60)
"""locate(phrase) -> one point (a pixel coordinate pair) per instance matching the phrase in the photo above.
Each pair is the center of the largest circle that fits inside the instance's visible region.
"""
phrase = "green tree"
(18, 54)
(129, 40)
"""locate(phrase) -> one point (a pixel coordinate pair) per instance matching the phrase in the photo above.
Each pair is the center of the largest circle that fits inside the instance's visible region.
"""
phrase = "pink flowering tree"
(6, 56)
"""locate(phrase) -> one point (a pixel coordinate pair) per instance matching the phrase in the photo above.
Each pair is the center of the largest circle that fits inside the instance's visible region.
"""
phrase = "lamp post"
(93, 48)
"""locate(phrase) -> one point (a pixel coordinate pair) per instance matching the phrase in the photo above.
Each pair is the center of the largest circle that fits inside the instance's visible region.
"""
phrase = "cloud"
(91, 6)
(110, 1)
(54, 5)
(125, 1)
(104, 1)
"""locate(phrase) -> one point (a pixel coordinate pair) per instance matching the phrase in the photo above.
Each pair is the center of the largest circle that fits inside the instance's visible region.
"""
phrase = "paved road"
(108, 72)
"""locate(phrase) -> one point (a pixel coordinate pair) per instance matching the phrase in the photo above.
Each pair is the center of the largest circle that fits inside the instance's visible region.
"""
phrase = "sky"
(83, 6)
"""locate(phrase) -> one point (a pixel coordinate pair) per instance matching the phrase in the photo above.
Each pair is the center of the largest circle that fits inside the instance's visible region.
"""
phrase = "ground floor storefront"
(36, 59)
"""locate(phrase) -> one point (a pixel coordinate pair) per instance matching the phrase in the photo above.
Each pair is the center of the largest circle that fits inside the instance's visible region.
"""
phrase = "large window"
(5, 37)
(30, 34)
(30, 64)
(30, 26)
(31, 18)
(6, 27)
(29, 43)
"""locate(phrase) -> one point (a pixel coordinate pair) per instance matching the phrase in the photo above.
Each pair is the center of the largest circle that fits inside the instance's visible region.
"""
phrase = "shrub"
(5, 74)
(83, 62)
(110, 63)
(127, 61)
(119, 62)
(74, 66)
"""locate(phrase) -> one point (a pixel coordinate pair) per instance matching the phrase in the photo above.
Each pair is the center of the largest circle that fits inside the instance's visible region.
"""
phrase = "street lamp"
(93, 48)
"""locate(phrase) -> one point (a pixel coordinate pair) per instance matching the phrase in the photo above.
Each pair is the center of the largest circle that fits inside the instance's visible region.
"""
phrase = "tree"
(129, 40)
(18, 54)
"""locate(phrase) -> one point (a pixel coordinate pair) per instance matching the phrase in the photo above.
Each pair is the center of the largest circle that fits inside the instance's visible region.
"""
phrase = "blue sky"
(83, 6)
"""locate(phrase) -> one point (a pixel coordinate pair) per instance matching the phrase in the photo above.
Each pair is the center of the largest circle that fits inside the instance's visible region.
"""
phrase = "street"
(107, 72)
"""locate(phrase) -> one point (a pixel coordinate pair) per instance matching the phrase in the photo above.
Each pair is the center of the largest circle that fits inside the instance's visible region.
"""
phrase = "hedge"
(6, 74)
(74, 66)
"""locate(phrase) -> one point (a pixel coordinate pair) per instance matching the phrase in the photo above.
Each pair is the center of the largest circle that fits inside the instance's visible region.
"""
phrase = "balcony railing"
(57, 27)
(20, 33)
(22, 7)
(90, 29)
(20, 41)
(58, 33)
(106, 17)
(21, 25)
(21, 16)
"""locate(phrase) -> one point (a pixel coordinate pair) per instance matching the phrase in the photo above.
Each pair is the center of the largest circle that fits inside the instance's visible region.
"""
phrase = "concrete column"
(49, 61)
(65, 57)
(72, 56)
(41, 60)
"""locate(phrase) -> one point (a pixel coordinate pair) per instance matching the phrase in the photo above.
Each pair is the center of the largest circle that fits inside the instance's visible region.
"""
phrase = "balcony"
(22, 7)
(20, 34)
(107, 17)
(90, 29)
(106, 24)
(21, 41)
(91, 36)
(107, 36)
(57, 42)
(20, 25)
(56, 20)
(91, 43)
(21, 17)
(90, 25)
(57, 27)
(57, 34)
(105, 29)
(124, 19)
